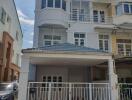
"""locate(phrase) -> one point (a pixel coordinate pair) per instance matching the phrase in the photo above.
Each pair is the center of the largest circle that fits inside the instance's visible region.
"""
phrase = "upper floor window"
(124, 8)
(104, 42)
(2, 15)
(78, 14)
(79, 38)
(124, 47)
(51, 40)
(54, 4)
(99, 16)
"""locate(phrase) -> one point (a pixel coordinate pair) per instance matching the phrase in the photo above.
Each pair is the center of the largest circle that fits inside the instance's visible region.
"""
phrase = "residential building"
(10, 41)
(80, 48)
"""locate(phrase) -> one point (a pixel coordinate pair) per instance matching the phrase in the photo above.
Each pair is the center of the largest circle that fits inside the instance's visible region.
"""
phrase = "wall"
(12, 28)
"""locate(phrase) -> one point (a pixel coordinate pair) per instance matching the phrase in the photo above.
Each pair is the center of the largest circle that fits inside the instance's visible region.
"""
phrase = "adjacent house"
(82, 49)
(10, 41)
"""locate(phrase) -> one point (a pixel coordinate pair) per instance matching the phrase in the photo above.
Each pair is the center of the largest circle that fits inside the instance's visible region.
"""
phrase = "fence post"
(49, 92)
(70, 91)
(90, 91)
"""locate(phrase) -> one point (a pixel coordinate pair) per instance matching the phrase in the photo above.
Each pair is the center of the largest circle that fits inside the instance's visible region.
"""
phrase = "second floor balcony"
(79, 15)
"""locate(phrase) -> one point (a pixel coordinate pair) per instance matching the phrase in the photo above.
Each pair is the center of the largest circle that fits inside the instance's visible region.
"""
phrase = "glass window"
(48, 37)
(56, 37)
(76, 35)
(57, 3)
(2, 15)
(82, 42)
(131, 8)
(50, 3)
(95, 15)
(104, 42)
(64, 4)
(43, 4)
(101, 44)
(55, 42)
(124, 47)
(102, 16)
(47, 43)
(79, 38)
(51, 40)
(126, 8)
(76, 42)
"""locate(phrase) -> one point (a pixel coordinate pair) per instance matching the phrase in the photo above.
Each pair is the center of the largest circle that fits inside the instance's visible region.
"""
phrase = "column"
(23, 80)
(91, 10)
(68, 7)
(113, 80)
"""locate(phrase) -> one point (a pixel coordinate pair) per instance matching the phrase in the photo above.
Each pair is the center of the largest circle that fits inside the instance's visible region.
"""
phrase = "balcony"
(53, 16)
(86, 18)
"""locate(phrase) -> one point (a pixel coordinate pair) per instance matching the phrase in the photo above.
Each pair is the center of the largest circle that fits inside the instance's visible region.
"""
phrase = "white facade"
(12, 26)
(65, 22)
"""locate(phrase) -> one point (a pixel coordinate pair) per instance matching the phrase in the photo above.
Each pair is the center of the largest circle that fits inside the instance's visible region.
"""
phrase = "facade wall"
(89, 28)
(10, 28)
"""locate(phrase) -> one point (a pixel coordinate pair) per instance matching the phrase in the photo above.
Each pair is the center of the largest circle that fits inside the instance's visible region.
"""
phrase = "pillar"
(23, 80)
(91, 10)
(113, 80)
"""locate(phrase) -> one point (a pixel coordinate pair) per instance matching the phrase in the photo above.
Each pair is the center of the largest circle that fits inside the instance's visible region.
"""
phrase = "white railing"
(86, 18)
(68, 91)
(125, 91)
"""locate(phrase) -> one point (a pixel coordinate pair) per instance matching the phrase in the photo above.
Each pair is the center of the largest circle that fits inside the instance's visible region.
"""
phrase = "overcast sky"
(25, 9)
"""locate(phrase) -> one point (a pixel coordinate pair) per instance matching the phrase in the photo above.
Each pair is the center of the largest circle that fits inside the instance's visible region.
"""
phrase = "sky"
(25, 9)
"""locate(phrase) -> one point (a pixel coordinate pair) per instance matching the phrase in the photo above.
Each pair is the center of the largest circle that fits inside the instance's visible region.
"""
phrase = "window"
(2, 15)
(79, 39)
(64, 4)
(126, 8)
(95, 15)
(78, 14)
(57, 3)
(57, 82)
(104, 42)
(43, 4)
(51, 40)
(17, 36)
(124, 47)
(54, 4)
(50, 3)
(102, 16)
(99, 16)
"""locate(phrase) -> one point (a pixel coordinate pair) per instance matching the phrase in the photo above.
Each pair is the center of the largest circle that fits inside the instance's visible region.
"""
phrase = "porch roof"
(64, 47)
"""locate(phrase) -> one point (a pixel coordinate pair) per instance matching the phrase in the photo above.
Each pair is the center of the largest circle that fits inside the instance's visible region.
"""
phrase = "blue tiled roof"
(65, 47)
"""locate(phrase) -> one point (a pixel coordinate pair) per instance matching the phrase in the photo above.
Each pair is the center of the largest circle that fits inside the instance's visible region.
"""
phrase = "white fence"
(125, 91)
(68, 91)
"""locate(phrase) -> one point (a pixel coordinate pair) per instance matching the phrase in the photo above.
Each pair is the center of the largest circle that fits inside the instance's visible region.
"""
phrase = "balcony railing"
(125, 91)
(86, 18)
(68, 91)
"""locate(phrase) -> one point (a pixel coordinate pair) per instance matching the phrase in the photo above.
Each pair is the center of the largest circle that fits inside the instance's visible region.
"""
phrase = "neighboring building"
(76, 43)
(10, 41)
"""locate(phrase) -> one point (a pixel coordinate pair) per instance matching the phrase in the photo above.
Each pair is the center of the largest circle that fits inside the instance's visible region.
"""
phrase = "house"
(10, 42)
(81, 48)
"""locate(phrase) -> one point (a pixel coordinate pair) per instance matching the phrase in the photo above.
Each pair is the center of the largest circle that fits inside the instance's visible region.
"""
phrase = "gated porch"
(72, 84)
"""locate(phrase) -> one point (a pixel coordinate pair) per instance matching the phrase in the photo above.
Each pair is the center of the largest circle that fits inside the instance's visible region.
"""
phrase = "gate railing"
(68, 91)
(125, 91)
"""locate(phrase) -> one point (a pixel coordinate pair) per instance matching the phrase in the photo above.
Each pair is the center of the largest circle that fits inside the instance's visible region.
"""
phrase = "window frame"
(52, 39)
(78, 40)
(124, 49)
(104, 40)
